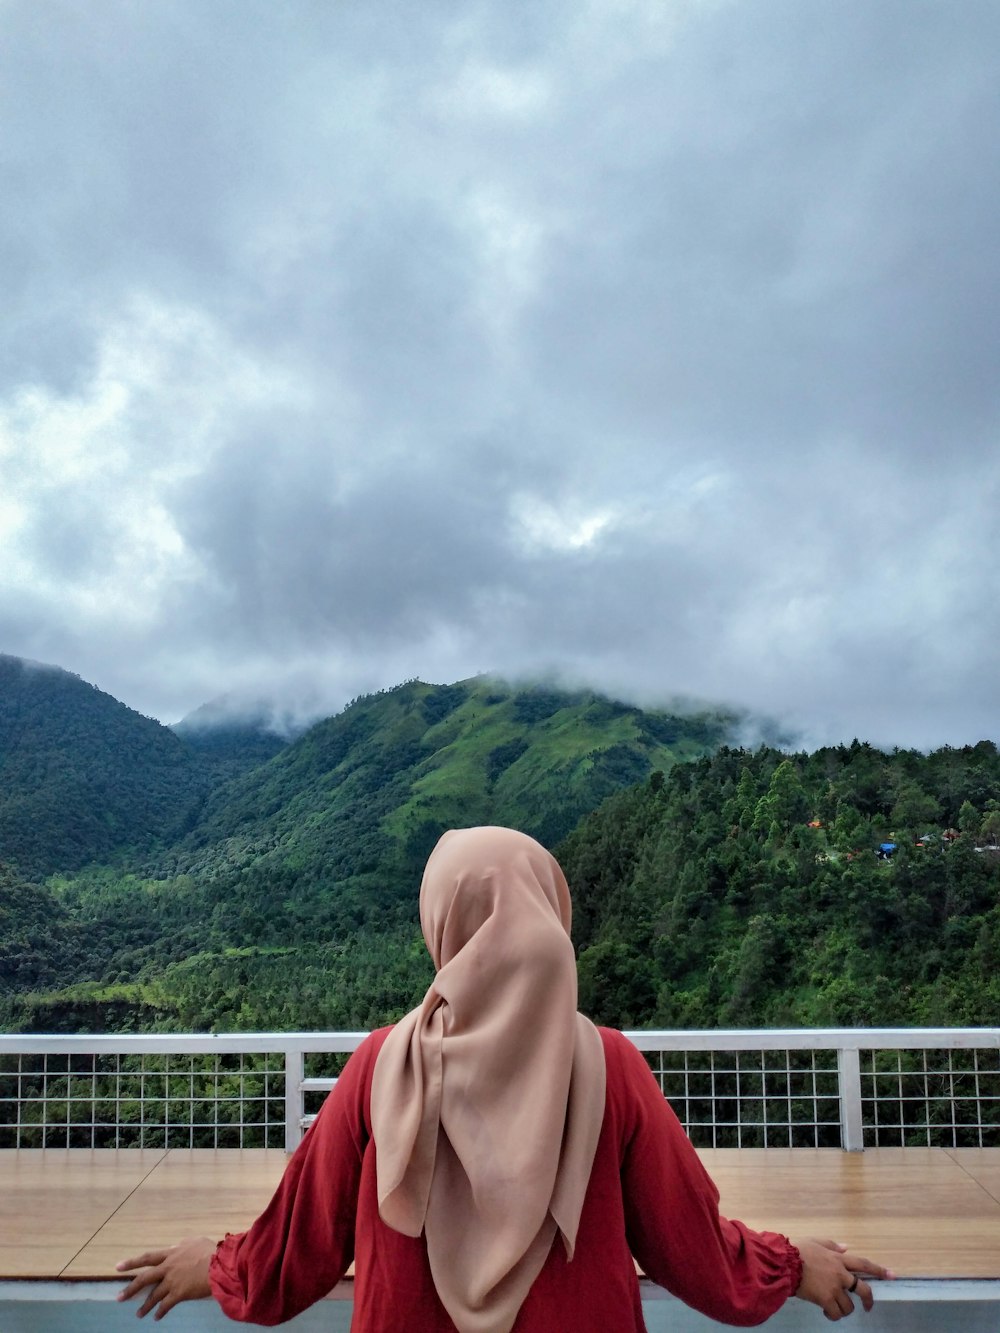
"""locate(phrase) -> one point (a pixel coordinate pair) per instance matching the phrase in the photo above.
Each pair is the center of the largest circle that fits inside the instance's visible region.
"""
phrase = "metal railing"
(829, 1087)
(231, 1090)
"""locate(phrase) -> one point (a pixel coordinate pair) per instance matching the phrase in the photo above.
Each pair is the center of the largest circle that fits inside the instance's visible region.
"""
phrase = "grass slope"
(319, 852)
(370, 790)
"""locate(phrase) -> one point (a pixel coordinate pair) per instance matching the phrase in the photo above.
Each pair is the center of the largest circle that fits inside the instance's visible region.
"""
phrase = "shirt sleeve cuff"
(794, 1263)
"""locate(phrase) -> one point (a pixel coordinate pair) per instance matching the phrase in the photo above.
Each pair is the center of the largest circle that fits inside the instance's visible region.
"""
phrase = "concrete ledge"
(903, 1306)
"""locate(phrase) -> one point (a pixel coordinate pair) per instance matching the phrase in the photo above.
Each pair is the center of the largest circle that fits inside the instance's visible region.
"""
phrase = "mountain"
(84, 778)
(286, 893)
(373, 788)
(234, 736)
(208, 880)
(81, 775)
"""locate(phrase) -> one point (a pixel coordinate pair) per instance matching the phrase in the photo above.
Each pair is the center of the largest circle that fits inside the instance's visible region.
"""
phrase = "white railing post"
(295, 1067)
(852, 1130)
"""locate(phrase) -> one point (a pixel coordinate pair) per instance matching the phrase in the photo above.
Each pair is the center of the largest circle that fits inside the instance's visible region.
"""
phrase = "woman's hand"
(177, 1274)
(830, 1274)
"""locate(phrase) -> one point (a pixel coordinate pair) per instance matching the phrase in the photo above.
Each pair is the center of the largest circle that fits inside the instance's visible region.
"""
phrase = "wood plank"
(53, 1201)
(913, 1209)
(191, 1192)
(926, 1212)
(982, 1164)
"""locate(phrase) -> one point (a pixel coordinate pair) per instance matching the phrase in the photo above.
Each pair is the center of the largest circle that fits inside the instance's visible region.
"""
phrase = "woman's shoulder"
(616, 1043)
(623, 1060)
(369, 1048)
(362, 1059)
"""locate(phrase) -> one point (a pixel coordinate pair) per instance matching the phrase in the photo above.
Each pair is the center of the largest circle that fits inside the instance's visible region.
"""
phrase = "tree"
(969, 818)
(914, 808)
(785, 803)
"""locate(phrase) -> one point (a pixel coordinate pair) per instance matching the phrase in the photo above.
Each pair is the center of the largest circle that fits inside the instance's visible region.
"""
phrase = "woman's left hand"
(177, 1274)
(830, 1274)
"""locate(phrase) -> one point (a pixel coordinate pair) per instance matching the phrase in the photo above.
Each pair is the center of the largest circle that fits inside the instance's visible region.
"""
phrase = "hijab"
(487, 1100)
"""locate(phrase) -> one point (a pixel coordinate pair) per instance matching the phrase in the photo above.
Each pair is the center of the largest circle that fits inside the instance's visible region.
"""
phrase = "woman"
(494, 1161)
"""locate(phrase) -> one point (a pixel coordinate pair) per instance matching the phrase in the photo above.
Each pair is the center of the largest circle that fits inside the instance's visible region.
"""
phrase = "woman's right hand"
(830, 1273)
(177, 1274)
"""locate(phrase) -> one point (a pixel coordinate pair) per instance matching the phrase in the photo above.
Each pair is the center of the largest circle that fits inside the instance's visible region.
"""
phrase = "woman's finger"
(166, 1305)
(858, 1264)
(864, 1291)
(151, 1257)
(155, 1295)
(141, 1279)
(843, 1302)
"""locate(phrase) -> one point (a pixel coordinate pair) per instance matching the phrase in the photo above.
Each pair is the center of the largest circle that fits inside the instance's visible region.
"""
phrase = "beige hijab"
(487, 1100)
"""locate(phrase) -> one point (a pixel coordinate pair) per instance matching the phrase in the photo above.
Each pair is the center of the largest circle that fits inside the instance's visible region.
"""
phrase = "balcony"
(889, 1138)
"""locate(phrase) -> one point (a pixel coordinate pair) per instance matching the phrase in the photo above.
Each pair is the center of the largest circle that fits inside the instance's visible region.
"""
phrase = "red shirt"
(648, 1196)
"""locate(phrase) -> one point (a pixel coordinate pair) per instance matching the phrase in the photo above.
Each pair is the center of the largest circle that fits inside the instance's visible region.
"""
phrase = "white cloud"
(511, 241)
(539, 525)
(482, 89)
(89, 476)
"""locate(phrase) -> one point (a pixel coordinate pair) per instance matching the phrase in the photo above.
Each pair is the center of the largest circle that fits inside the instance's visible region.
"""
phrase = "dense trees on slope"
(83, 778)
(747, 889)
(233, 881)
(37, 940)
(81, 775)
(288, 897)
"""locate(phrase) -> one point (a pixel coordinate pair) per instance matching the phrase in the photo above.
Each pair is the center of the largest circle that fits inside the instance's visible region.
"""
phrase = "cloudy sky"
(653, 343)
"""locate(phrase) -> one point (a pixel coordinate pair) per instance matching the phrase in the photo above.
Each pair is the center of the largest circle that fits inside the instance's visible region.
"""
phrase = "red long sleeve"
(674, 1228)
(303, 1243)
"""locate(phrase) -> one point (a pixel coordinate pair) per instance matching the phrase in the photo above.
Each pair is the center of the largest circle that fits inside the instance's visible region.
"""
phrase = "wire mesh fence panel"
(931, 1098)
(740, 1089)
(226, 1100)
(752, 1099)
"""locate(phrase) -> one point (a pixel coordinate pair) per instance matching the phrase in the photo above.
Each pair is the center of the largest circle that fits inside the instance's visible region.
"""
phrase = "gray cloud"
(652, 345)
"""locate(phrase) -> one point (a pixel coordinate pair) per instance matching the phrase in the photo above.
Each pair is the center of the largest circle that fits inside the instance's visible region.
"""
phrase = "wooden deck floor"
(924, 1212)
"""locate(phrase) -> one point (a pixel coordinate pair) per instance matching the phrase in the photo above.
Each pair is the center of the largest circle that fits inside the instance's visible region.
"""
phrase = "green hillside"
(81, 775)
(370, 790)
(845, 887)
(290, 899)
(85, 779)
(712, 886)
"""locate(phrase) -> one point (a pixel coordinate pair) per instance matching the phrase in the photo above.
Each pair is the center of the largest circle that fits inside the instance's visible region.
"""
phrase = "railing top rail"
(815, 1039)
(647, 1039)
(187, 1043)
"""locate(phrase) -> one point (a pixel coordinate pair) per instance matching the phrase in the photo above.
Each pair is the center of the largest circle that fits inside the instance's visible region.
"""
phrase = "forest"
(243, 880)
(226, 878)
(843, 887)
